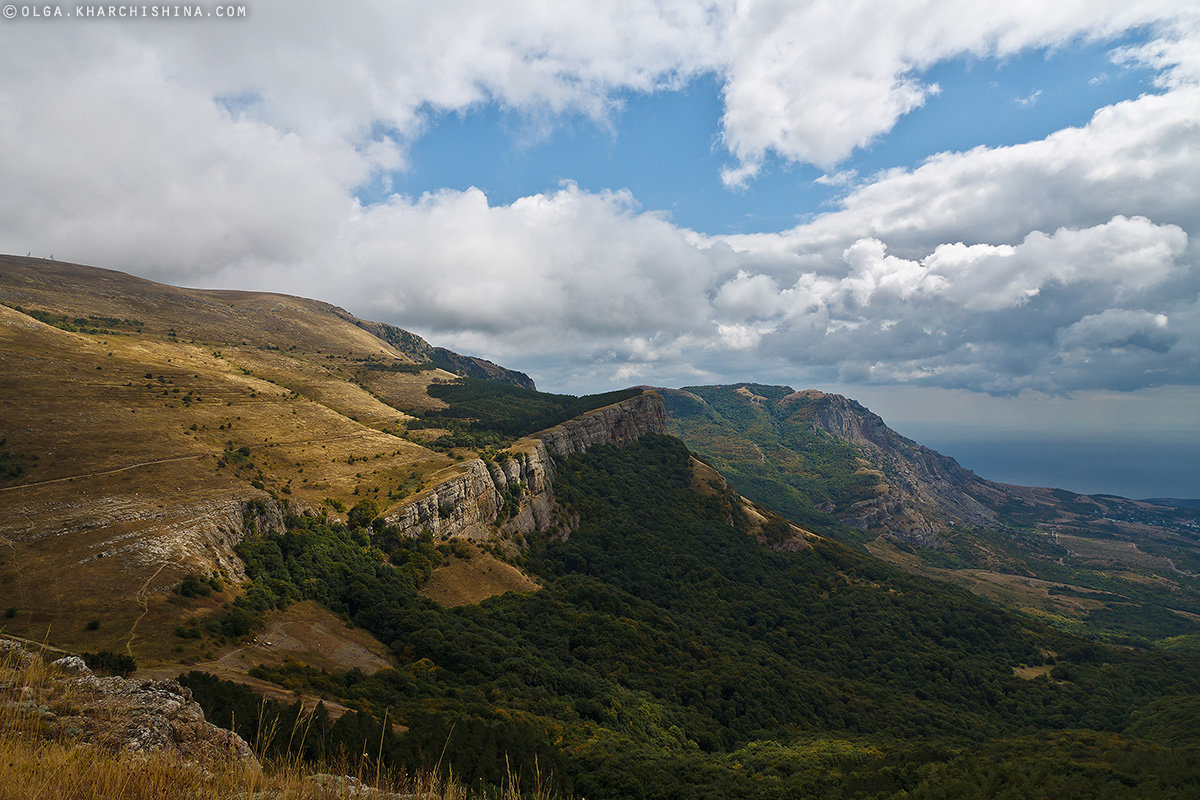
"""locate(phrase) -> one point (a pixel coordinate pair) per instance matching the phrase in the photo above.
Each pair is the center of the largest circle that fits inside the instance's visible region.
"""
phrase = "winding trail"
(142, 599)
(102, 472)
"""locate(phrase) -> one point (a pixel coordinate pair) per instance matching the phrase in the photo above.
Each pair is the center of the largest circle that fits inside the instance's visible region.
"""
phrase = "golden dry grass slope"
(141, 423)
(471, 576)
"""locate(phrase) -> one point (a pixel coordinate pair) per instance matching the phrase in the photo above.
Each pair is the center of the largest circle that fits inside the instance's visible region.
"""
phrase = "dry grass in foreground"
(40, 759)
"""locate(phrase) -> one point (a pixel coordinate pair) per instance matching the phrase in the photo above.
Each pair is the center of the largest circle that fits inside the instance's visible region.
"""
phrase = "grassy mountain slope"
(144, 427)
(1104, 564)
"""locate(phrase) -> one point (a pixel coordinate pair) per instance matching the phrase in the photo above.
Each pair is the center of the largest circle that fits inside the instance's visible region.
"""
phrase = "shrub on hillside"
(110, 662)
(363, 513)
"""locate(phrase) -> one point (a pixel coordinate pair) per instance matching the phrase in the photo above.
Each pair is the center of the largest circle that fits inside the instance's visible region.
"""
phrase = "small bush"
(187, 632)
(238, 621)
(363, 513)
(195, 586)
(110, 662)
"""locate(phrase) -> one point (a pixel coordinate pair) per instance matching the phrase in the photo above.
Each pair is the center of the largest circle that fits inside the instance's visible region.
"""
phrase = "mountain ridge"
(825, 459)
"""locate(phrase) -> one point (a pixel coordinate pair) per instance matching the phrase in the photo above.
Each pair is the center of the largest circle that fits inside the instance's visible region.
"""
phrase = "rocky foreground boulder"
(65, 701)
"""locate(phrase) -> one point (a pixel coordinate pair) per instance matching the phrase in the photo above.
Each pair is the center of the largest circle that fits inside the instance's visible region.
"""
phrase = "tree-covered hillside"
(769, 452)
(1116, 569)
(670, 655)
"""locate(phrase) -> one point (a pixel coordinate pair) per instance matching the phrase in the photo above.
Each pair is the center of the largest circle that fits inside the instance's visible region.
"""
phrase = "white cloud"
(126, 167)
(1123, 255)
(547, 279)
(1030, 99)
(1119, 328)
(846, 177)
(748, 296)
(1046, 265)
(339, 72)
(1175, 52)
(1135, 158)
(813, 81)
(740, 336)
(806, 81)
(995, 318)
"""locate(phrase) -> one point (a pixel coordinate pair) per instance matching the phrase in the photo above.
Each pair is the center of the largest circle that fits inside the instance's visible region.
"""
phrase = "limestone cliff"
(812, 450)
(922, 490)
(197, 534)
(202, 540)
(516, 495)
(619, 423)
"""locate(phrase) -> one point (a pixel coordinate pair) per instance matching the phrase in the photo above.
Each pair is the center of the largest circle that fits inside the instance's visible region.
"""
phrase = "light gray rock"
(466, 504)
(117, 714)
(146, 715)
(72, 665)
(14, 655)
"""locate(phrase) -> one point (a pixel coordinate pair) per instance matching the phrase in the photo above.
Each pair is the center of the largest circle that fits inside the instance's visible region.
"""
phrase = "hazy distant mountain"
(820, 458)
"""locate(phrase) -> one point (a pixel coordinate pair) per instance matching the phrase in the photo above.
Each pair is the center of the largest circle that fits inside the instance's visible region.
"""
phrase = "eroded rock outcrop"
(922, 491)
(115, 714)
(619, 423)
(467, 504)
(516, 495)
(201, 534)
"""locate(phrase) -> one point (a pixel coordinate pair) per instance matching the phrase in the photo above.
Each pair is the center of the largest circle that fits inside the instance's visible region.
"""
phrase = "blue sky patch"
(666, 147)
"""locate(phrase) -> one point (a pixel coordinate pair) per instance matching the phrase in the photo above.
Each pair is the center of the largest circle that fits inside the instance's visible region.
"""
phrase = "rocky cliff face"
(922, 491)
(516, 495)
(619, 423)
(199, 534)
(204, 538)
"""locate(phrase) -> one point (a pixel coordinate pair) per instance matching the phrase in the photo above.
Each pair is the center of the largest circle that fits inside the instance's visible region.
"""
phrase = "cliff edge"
(515, 495)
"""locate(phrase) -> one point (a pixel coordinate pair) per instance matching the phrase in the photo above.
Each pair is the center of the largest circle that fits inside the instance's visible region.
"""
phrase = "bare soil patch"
(304, 632)
(309, 633)
(467, 581)
(1029, 673)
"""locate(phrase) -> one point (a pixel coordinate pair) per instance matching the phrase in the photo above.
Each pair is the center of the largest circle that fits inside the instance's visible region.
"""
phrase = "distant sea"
(1138, 465)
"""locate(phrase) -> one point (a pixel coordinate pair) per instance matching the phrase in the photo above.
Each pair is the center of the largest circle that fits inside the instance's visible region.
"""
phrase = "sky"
(974, 217)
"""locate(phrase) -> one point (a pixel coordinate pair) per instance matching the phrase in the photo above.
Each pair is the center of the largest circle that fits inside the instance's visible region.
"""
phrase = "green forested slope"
(770, 453)
(1116, 569)
(672, 656)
